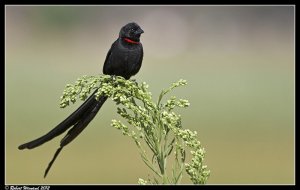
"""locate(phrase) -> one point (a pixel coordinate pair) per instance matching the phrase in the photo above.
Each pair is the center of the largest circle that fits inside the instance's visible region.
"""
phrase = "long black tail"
(77, 129)
(64, 125)
(79, 119)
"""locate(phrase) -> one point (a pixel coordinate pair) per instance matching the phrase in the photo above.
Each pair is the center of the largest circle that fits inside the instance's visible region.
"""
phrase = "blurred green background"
(238, 60)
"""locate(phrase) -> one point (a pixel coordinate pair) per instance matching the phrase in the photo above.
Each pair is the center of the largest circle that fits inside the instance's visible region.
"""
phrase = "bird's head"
(131, 31)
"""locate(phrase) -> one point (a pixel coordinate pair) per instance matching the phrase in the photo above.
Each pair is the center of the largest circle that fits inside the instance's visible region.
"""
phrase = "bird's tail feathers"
(90, 103)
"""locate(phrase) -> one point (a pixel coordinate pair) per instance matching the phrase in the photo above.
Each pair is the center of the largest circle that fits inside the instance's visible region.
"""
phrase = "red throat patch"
(131, 41)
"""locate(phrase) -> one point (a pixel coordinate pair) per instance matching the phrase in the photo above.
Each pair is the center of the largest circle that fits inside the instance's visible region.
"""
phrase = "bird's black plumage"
(126, 54)
(123, 59)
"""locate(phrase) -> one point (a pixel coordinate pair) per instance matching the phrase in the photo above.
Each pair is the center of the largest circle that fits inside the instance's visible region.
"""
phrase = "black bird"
(123, 59)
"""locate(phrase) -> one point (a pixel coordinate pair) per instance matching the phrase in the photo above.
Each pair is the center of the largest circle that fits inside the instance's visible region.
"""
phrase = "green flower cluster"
(152, 125)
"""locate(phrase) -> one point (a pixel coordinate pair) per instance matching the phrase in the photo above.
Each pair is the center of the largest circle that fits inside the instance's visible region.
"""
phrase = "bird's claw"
(113, 77)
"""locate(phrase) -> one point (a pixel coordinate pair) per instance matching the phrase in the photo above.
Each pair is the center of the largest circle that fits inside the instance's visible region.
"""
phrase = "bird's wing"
(107, 59)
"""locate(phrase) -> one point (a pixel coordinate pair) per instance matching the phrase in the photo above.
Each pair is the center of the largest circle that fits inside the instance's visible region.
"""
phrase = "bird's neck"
(130, 41)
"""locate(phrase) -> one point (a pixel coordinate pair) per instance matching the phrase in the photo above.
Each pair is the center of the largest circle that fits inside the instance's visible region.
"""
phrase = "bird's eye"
(131, 29)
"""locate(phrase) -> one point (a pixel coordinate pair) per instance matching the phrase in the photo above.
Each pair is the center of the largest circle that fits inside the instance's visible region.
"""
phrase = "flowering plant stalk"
(154, 126)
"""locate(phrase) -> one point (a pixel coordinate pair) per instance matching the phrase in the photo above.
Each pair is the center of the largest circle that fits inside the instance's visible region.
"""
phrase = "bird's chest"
(125, 57)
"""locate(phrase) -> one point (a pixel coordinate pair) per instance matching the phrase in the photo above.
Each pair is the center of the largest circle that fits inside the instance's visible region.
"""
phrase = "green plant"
(151, 124)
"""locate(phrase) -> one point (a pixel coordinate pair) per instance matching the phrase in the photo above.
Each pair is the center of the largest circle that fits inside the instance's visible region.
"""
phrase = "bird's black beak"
(140, 31)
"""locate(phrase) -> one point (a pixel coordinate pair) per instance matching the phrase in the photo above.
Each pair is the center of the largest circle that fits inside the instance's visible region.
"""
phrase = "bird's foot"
(134, 80)
(113, 77)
